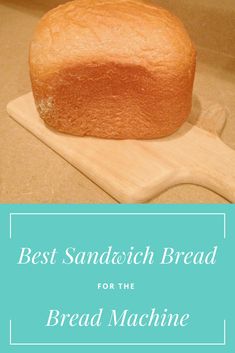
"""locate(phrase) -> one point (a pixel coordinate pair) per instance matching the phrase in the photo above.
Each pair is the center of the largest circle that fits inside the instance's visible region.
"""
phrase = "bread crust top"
(101, 31)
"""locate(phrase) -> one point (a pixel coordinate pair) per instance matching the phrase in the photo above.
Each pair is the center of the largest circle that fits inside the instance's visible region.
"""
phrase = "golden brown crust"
(112, 69)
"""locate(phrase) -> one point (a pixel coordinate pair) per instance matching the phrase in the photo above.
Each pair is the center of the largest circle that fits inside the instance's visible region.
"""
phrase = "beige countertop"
(32, 173)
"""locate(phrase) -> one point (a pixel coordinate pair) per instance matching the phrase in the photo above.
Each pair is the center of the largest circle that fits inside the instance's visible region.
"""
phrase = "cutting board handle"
(215, 169)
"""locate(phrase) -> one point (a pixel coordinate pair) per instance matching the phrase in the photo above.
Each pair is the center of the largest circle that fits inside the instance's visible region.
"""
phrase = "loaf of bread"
(119, 69)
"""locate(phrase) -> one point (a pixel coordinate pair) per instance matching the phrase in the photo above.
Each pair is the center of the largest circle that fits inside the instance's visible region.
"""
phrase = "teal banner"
(117, 278)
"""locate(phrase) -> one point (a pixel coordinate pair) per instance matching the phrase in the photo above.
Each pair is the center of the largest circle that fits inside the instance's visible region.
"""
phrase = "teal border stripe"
(119, 214)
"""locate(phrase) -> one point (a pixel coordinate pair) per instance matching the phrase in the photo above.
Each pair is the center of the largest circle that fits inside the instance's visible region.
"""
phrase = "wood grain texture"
(135, 171)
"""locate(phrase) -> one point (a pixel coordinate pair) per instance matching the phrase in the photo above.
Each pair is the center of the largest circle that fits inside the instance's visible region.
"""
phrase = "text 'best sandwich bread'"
(121, 69)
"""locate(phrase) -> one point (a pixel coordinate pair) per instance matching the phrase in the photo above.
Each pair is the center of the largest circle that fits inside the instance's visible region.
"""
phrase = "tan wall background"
(211, 23)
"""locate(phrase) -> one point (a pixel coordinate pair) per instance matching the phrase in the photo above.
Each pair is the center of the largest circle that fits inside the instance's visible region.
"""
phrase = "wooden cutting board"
(135, 171)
